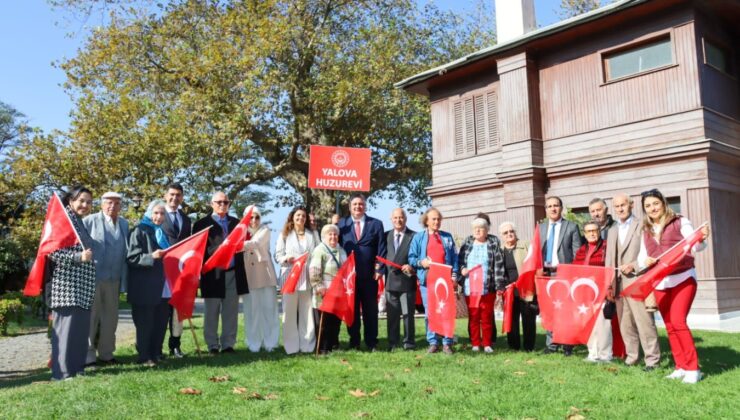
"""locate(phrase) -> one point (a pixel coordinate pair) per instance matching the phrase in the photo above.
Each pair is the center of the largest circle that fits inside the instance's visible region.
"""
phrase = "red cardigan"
(597, 257)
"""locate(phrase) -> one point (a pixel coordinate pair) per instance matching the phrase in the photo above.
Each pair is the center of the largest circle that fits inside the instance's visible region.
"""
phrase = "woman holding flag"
(295, 240)
(481, 266)
(71, 292)
(326, 259)
(515, 251)
(662, 229)
(148, 292)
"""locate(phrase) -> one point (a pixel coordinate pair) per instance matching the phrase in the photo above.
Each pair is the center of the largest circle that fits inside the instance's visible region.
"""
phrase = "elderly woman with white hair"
(326, 260)
(148, 292)
(261, 319)
(484, 250)
(515, 251)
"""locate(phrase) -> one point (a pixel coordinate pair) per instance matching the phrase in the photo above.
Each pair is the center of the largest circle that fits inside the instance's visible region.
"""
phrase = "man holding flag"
(222, 284)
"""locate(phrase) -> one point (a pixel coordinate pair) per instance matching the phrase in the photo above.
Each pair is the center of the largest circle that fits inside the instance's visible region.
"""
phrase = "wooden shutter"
(492, 120)
(458, 116)
(480, 123)
(469, 127)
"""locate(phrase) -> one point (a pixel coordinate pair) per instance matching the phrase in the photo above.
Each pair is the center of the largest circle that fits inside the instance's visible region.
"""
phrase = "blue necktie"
(550, 241)
(225, 226)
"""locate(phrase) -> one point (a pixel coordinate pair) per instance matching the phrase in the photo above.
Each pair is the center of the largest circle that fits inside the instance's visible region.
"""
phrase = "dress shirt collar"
(626, 222)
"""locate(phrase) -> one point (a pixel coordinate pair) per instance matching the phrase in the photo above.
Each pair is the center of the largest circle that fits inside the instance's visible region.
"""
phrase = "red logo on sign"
(339, 168)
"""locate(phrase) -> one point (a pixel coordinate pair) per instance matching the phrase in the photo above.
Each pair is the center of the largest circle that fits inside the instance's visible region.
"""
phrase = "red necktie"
(357, 229)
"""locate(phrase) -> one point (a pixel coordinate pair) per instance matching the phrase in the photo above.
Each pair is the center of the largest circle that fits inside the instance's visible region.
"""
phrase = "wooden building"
(636, 95)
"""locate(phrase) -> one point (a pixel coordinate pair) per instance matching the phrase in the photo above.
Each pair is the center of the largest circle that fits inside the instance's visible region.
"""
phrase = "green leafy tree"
(230, 95)
(570, 8)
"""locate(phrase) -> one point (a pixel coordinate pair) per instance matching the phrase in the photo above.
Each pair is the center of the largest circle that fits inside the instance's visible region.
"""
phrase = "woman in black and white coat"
(72, 290)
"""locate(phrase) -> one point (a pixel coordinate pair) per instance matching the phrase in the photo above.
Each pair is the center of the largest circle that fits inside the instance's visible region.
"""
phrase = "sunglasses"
(222, 202)
(651, 193)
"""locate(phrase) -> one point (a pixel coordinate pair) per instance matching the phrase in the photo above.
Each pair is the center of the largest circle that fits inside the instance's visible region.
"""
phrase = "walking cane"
(318, 341)
(192, 330)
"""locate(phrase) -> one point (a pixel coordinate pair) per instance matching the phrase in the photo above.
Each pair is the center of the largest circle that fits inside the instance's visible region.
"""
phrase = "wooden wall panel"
(443, 145)
(725, 175)
(697, 210)
(461, 171)
(514, 106)
(722, 128)
(470, 203)
(574, 98)
(725, 207)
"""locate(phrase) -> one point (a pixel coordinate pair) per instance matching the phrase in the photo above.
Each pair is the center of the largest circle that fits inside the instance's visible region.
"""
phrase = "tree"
(228, 95)
(570, 8)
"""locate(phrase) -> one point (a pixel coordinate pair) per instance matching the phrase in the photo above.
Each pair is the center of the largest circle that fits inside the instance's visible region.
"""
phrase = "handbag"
(610, 309)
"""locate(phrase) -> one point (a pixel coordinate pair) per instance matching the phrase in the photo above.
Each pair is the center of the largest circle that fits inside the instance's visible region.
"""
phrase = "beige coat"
(628, 255)
(257, 260)
(520, 252)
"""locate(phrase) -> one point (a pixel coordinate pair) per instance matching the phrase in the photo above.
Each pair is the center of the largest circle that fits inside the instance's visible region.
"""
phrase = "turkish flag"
(532, 262)
(475, 282)
(572, 300)
(667, 262)
(441, 300)
(182, 263)
(339, 298)
(295, 274)
(508, 308)
(233, 243)
(57, 233)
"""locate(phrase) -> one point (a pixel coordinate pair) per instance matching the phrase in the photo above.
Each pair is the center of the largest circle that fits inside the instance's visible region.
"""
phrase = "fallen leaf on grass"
(388, 376)
(223, 378)
(520, 373)
(258, 396)
(530, 362)
(190, 391)
(357, 393)
(461, 361)
(476, 381)
(344, 361)
(407, 370)
(418, 356)
(362, 414)
(574, 414)
(507, 361)
(239, 390)
(375, 393)
(429, 390)
(322, 398)
(612, 369)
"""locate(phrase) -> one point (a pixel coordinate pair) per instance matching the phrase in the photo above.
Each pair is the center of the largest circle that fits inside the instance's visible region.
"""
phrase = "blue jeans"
(432, 338)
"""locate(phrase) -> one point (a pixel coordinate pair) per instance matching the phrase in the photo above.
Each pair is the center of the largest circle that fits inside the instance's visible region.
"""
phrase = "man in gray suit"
(636, 324)
(177, 227)
(109, 232)
(559, 241)
(400, 285)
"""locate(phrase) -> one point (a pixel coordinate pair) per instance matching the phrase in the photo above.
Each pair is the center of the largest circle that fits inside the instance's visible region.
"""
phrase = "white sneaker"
(488, 349)
(677, 374)
(692, 376)
(476, 348)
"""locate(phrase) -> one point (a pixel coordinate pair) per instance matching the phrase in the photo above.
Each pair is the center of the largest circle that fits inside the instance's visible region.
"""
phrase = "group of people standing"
(85, 279)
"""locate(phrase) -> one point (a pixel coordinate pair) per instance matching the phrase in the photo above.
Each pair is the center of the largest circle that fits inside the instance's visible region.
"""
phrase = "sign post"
(339, 168)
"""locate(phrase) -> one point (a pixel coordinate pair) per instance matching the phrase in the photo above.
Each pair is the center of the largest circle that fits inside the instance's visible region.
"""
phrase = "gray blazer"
(147, 274)
(627, 255)
(570, 241)
(95, 225)
(395, 280)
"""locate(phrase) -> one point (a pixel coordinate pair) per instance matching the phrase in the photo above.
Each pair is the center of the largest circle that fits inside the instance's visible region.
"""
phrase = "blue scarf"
(158, 232)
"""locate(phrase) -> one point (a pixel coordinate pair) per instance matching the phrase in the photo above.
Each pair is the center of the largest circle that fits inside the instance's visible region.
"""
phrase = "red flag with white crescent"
(441, 300)
(57, 233)
(221, 258)
(532, 262)
(475, 283)
(339, 298)
(570, 301)
(295, 274)
(508, 308)
(667, 262)
(182, 263)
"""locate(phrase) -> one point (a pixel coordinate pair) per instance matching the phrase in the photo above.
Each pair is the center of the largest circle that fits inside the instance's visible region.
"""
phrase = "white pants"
(298, 327)
(261, 321)
(600, 341)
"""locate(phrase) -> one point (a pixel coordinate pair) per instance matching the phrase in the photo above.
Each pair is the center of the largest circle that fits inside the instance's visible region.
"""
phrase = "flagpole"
(192, 330)
(318, 341)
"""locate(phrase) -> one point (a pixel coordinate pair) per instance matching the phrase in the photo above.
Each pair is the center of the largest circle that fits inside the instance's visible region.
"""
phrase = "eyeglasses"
(222, 202)
(651, 193)
(256, 216)
(508, 232)
(591, 231)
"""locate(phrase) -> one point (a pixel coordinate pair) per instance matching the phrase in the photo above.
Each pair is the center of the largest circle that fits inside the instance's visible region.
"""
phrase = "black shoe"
(407, 347)
(228, 350)
(548, 350)
(112, 361)
(353, 347)
(649, 368)
(568, 352)
(177, 353)
(213, 351)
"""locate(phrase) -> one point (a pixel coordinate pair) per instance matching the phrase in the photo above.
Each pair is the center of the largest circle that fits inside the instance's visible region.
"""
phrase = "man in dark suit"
(560, 239)
(177, 227)
(221, 288)
(400, 285)
(363, 235)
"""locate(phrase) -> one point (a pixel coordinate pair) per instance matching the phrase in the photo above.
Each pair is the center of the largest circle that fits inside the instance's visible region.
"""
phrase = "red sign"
(339, 168)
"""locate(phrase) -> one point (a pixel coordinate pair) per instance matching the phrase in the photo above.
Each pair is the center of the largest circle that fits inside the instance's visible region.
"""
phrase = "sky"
(35, 36)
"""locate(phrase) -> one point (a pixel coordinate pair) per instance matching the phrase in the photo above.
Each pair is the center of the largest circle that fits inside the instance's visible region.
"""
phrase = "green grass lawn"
(506, 384)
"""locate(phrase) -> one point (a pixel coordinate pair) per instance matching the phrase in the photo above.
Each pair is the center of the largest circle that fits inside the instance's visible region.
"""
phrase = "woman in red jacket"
(662, 229)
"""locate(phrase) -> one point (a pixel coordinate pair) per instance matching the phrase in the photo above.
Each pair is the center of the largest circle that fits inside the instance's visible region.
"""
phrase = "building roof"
(522, 40)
